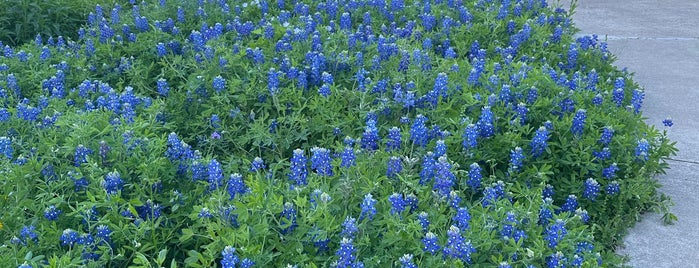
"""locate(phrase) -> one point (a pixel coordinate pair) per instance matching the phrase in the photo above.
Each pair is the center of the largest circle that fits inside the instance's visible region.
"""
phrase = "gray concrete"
(658, 40)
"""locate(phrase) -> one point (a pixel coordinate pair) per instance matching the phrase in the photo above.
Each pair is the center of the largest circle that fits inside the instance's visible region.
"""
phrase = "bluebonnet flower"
(555, 233)
(457, 247)
(81, 153)
(454, 200)
(521, 111)
(579, 122)
(273, 81)
(160, 49)
(397, 203)
(219, 83)
(570, 205)
(349, 228)
(440, 148)
(470, 137)
(418, 131)
(24, 265)
(103, 232)
(572, 55)
(667, 121)
(346, 255)
(556, 260)
(637, 100)
(51, 213)
(461, 218)
(288, 216)
(149, 210)
(606, 137)
(485, 123)
(604, 154)
(324, 90)
(368, 207)
(4, 114)
(642, 150)
(613, 188)
(406, 261)
(215, 174)
(236, 185)
(493, 193)
(298, 170)
(516, 159)
(163, 88)
(411, 201)
(424, 221)
(610, 172)
(539, 142)
(6, 147)
(591, 190)
(474, 176)
(393, 140)
(348, 157)
(28, 233)
(370, 138)
(321, 161)
(230, 258)
(430, 243)
(444, 178)
(112, 182)
(257, 164)
(394, 166)
(69, 237)
(584, 216)
(547, 192)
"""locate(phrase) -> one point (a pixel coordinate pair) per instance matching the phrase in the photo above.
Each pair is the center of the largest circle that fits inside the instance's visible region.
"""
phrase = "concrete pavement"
(658, 40)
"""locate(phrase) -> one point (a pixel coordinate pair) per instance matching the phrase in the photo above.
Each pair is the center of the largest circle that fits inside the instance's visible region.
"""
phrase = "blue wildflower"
(642, 149)
(273, 81)
(591, 190)
(219, 83)
(346, 255)
(539, 142)
(370, 137)
(349, 228)
(429, 166)
(81, 153)
(321, 161)
(516, 159)
(555, 233)
(298, 170)
(394, 166)
(424, 221)
(69, 237)
(230, 258)
(610, 172)
(112, 183)
(570, 205)
(485, 123)
(348, 157)
(236, 185)
(470, 137)
(606, 136)
(205, 213)
(457, 247)
(604, 154)
(257, 164)
(579, 122)
(667, 121)
(6, 147)
(419, 132)
(637, 100)
(368, 207)
(103, 232)
(613, 188)
(288, 215)
(440, 148)
(444, 178)
(461, 218)
(397, 203)
(149, 210)
(406, 261)
(474, 176)
(393, 140)
(51, 213)
(430, 243)
(215, 174)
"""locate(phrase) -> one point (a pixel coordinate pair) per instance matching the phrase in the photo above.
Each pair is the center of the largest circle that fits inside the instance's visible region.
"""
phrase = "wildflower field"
(322, 133)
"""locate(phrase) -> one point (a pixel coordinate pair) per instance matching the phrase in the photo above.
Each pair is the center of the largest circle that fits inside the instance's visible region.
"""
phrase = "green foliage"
(177, 207)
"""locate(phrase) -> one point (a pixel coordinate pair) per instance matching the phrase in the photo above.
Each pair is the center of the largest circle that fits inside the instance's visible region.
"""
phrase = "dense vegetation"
(360, 133)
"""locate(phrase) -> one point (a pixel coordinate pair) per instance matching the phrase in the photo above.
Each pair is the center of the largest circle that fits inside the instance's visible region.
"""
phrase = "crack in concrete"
(684, 161)
(619, 37)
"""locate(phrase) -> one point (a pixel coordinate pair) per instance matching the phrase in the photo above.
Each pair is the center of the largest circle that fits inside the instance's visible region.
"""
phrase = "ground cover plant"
(303, 133)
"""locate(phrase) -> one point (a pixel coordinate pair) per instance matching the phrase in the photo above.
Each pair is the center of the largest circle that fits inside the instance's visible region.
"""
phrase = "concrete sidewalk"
(658, 40)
